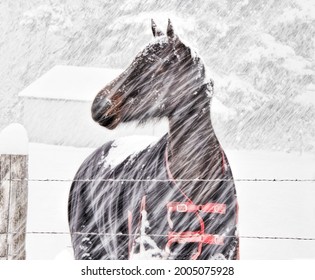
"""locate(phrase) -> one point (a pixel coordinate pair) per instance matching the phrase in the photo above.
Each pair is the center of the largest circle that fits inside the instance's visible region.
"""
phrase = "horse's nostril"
(99, 108)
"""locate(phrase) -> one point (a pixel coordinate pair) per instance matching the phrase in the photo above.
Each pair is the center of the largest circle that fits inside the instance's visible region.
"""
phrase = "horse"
(176, 198)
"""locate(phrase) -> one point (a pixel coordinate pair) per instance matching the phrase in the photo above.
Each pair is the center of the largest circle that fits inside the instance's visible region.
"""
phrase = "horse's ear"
(155, 30)
(170, 30)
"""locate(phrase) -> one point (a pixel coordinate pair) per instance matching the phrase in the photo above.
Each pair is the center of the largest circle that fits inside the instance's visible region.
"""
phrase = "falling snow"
(266, 44)
(255, 60)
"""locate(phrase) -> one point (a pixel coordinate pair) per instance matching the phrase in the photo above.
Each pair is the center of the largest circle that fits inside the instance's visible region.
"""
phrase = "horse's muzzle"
(105, 113)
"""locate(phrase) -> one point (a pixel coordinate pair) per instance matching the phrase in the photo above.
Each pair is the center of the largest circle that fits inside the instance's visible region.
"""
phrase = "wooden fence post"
(13, 192)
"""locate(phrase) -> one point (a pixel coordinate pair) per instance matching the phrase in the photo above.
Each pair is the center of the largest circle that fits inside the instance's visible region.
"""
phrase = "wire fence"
(167, 180)
(158, 180)
(156, 235)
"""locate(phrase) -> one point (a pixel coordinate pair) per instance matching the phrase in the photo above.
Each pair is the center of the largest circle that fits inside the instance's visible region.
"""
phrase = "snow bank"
(14, 140)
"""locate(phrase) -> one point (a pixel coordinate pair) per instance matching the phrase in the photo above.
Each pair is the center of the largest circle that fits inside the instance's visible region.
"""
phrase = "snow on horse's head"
(160, 82)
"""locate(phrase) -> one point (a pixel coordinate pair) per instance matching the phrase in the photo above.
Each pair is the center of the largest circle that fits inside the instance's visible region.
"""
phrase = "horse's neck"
(193, 148)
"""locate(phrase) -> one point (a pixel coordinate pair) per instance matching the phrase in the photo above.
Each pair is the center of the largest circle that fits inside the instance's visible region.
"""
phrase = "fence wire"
(158, 180)
(155, 235)
(165, 180)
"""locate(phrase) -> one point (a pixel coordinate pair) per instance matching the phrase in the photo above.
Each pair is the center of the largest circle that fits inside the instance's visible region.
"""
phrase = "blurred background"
(259, 53)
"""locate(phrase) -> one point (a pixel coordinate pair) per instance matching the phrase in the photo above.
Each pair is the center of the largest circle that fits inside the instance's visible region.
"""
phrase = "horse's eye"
(174, 58)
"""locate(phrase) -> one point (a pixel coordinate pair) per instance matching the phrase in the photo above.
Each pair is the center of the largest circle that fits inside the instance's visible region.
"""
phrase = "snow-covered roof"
(70, 83)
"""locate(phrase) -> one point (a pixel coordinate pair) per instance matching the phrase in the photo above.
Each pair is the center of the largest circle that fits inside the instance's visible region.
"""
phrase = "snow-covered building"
(57, 108)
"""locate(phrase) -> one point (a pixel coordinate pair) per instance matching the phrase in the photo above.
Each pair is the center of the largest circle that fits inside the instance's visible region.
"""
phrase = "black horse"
(175, 199)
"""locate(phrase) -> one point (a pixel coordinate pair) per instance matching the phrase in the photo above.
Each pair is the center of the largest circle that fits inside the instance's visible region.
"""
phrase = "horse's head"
(163, 80)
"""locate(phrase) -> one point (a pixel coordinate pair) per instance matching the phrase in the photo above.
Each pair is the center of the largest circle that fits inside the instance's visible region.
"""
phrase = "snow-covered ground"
(279, 209)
